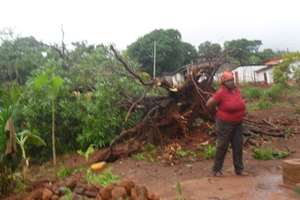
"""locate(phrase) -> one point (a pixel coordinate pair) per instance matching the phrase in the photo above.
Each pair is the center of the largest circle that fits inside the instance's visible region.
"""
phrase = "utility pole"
(154, 60)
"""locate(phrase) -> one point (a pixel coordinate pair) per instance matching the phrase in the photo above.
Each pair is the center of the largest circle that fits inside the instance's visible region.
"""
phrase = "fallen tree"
(173, 114)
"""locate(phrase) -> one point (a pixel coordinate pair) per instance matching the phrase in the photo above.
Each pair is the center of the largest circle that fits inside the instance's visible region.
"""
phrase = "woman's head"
(227, 80)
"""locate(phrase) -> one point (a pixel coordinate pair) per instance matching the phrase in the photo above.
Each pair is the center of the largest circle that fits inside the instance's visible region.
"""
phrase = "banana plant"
(24, 138)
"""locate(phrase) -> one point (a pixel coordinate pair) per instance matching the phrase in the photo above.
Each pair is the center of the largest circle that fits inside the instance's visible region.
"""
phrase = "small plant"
(103, 179)
(179, 195)
(86, 154)
(64, 172)
(26, 137)
(209, 151)
(268, 154)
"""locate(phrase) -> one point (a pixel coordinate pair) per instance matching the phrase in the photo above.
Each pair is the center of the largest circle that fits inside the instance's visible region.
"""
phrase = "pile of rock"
(124, 190)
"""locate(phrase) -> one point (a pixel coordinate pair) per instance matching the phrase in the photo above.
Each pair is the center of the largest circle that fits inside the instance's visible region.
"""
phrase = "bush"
(82, 118)
(102, 116)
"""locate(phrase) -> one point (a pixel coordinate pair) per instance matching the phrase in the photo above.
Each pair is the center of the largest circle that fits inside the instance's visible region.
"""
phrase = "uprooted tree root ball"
(173, 115)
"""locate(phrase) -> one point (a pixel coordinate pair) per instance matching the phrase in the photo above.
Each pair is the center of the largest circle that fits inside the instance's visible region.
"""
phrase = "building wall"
(246, 74)
(269, 76)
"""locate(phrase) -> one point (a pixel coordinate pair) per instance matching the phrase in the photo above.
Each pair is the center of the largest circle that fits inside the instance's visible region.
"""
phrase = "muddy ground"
(264, 181)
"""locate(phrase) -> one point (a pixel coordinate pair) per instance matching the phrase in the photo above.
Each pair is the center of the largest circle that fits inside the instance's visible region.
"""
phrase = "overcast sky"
(275, 22)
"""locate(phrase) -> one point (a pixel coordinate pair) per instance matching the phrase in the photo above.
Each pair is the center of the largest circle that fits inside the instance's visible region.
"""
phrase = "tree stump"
(291, 172)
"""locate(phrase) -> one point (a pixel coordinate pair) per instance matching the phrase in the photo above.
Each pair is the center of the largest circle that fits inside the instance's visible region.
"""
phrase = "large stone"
(77, 197)
(291, 172)
(36, 194)
(139, 193)
(47, 194)
(71, 183)
(127, 185)
(98, 197)
(79, 190)
(106, 192)
(91, 193)
(118, 193)
(153, 196)
(54, 197)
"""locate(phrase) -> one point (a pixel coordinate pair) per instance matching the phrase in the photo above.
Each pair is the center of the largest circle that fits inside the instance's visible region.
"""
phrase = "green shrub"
(268, 154)
(209, 151)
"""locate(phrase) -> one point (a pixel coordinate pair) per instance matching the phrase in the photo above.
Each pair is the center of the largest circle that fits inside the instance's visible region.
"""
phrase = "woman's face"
(229, 84)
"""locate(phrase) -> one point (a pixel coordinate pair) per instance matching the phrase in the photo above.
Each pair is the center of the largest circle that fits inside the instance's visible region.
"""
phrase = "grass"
(209, 151)
(269, 154)
(103, 179)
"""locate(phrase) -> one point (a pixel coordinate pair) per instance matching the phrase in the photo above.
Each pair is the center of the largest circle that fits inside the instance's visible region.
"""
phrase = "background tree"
(171, 52)
(209, 50)
(189, 53)
(19, 57)
(242, 50)
(288, 69)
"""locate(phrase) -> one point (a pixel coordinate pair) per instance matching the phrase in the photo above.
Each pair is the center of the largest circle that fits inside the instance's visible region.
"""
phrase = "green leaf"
(32, 138)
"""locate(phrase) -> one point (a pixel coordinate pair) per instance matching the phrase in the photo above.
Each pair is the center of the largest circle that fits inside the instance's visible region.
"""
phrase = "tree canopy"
(242, 49)
(171, 51)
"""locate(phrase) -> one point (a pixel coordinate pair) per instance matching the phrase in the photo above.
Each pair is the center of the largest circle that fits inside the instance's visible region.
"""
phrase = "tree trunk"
(53, 132)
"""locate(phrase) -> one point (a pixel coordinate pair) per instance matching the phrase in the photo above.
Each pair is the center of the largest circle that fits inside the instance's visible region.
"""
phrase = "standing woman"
(229, 117)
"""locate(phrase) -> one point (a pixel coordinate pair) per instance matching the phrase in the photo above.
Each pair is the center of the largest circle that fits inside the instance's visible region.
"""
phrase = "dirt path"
(263, 183)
